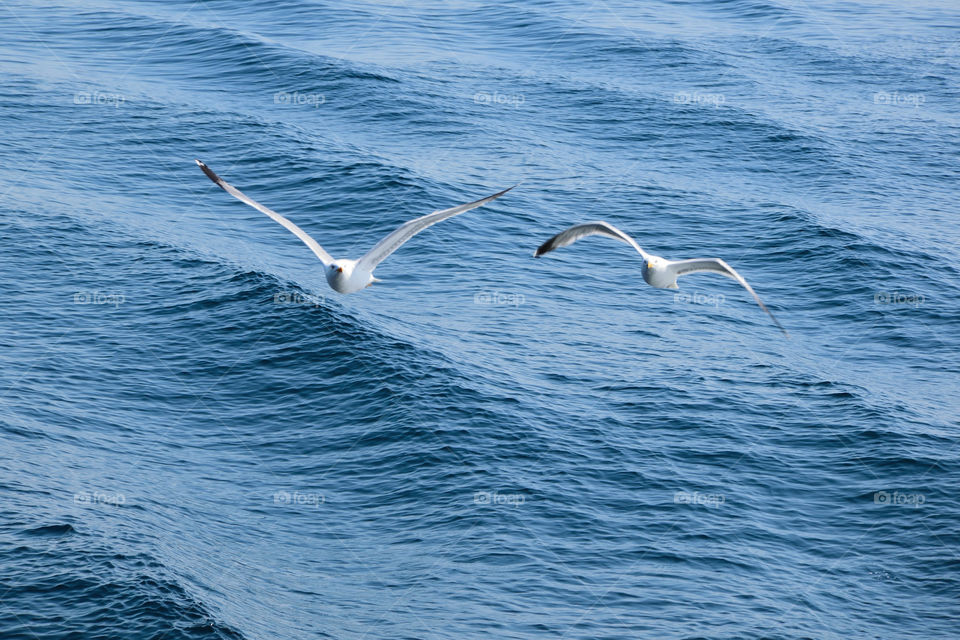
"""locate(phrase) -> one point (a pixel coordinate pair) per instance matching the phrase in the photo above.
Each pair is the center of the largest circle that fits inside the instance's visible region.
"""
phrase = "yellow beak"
(339, 269)
(649, 265)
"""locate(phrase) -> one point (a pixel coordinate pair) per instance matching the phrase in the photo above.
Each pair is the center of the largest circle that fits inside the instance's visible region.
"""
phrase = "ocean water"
(199, 439)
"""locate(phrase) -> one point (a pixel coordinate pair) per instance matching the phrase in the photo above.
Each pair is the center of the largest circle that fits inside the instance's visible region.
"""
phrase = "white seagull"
(657, 272)
(348, 276)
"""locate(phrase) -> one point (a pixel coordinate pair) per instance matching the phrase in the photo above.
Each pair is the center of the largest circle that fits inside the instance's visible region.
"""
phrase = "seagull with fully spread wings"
(348, 276)
(657, 272)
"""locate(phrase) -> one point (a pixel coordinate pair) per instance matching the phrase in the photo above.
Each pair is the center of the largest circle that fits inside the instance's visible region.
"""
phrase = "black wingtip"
(497, 195)
(546, 247)
(210, 174)
(777, 322)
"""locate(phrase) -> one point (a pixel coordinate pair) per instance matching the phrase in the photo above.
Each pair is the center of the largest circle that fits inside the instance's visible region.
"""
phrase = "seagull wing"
(574, 233)
(409, 229)
(716, 265)
(325, 257)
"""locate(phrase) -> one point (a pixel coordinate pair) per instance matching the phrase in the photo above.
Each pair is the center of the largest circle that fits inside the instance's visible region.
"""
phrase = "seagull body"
(657, 272)
(344, 275)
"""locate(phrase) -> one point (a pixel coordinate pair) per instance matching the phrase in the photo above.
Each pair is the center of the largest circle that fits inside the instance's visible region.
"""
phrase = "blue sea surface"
(200, 439)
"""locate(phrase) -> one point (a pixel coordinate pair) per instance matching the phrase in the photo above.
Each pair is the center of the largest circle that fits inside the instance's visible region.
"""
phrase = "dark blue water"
(199, 439)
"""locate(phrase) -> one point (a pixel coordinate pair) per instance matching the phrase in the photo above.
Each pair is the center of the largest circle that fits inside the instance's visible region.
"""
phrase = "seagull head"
(338, 273)
(655, 262)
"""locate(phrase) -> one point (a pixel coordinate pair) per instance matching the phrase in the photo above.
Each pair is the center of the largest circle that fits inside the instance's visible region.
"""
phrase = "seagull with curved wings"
(657, 272)
(343, 275)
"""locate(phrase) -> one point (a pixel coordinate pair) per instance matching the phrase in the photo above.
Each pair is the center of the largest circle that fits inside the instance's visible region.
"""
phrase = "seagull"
(348, 276)
(657, 272)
